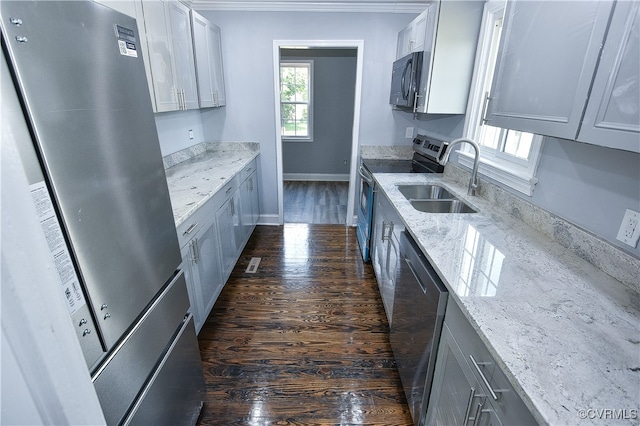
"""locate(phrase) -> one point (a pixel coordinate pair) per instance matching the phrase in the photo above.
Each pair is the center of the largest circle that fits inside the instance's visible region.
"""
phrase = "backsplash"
(192, 151)
(610, 259)
(399, 152)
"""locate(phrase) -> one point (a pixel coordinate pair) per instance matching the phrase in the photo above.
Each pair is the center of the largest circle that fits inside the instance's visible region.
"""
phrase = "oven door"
(365, 212)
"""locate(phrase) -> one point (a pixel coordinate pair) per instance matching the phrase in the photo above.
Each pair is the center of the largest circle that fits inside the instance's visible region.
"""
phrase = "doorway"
(317, 153)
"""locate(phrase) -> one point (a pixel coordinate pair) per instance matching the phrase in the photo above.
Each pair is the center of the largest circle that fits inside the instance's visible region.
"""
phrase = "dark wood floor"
(315, 202)
(304, 341)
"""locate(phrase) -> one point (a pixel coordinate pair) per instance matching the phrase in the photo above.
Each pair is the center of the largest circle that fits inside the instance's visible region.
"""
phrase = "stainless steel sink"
(425, 192)
(430, 198)
(442, 206)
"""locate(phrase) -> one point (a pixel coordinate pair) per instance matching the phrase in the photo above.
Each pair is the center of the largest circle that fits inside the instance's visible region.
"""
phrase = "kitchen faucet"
(473, 181)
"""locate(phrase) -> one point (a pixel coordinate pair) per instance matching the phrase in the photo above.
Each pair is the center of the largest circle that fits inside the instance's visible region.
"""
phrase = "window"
(507, 156)
(296, 81)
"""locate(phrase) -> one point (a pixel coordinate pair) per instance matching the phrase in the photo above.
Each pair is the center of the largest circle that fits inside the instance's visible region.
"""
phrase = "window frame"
(309, 103)
(514, 172)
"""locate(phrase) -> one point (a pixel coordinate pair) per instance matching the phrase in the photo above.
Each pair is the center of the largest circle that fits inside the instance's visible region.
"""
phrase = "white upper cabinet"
(447, 33)
(546, 59)
(612, 116)
(552, 55)
(173, 75)
(411, 38)
(184, 63)
(208, 53)
(157, 24)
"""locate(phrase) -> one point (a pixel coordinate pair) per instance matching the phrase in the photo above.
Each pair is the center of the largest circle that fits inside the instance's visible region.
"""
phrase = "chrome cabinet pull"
(469, 404)
(190, 229)
(196, 250)
(228, 190)
(484, 379)
(476, 416)
(384, 229)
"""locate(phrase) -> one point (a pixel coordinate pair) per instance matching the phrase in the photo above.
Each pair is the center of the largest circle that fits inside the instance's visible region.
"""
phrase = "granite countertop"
(566, 334)
(194, 175)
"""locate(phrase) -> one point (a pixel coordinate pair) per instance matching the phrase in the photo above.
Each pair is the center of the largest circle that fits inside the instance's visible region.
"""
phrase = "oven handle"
(364, 174)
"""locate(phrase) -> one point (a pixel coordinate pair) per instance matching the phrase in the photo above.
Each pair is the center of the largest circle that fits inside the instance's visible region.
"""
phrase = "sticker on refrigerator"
(57, 246)
(127, 48)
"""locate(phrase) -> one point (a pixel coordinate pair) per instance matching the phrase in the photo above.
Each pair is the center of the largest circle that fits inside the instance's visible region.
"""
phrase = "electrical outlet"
(629, 232)
(408, 133)
(190, 134)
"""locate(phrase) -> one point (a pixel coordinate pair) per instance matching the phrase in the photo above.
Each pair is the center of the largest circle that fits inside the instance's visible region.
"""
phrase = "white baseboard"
(268, 219)
(324, 177)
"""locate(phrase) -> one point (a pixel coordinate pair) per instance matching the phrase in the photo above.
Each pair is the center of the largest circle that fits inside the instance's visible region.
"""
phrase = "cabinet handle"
(415, 101)
(484, 379)
(190, 229)
(469, 404)
(196, 249)
(384, 228)
(228, 190)
(233, 208)
(476, 416)
(192, 252)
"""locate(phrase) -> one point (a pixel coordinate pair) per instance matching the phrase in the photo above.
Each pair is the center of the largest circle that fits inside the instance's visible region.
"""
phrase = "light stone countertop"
(197, 178)
(566, 334)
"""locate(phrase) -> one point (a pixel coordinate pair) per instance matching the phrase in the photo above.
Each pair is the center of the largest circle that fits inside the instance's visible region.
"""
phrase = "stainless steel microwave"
(405, 80)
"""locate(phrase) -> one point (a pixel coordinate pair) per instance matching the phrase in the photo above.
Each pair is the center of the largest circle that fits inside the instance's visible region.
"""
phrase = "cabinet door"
(185, 72)
(385, 251)
(546, 60)
(156, 21)
(215, 39)
(404, 42)
(246, 220)
(226, 237)
(456, 397)
(203, 58)
(188, 260)
(612, 117)
(255, 199)
(208, 267)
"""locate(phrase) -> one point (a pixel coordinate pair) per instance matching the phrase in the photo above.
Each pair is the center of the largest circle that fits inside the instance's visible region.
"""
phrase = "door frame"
(355, 132)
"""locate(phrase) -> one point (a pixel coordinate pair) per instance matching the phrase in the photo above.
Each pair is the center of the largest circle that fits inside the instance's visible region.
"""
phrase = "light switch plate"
(629, 232)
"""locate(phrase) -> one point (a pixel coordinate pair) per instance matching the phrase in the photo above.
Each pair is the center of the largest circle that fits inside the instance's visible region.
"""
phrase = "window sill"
(305, 140)
(521, 182)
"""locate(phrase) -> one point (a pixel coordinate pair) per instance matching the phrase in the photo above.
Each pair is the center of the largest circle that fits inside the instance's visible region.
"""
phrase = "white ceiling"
(388, 6)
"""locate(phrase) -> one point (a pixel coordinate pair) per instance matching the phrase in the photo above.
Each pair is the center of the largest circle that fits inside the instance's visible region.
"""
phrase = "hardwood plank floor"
(304, 340)
(315, 202)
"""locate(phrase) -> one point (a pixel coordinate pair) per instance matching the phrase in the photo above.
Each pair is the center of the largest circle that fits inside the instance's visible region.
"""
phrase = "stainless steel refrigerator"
(96, 176)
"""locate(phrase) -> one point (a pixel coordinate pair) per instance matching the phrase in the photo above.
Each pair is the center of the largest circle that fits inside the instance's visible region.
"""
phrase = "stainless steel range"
(426, 152)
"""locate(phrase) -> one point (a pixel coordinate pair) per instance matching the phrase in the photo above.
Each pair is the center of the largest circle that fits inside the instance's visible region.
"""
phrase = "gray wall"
(590, 186)
(333, 99)
(247, 48)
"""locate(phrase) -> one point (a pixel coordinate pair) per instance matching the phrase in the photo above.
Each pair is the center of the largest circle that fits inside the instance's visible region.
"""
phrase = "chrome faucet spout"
(473, 181)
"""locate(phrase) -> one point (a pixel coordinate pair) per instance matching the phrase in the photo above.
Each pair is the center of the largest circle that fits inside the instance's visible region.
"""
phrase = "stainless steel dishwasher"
(419, 304)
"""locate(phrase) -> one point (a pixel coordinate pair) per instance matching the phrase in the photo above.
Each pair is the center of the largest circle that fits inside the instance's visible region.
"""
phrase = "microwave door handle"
(405, 91)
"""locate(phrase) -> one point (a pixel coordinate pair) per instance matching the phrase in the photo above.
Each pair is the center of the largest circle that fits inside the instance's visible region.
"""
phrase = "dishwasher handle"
(420, 267)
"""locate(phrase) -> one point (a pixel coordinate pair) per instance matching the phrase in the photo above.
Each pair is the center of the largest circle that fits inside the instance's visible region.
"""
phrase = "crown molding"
(362, 6)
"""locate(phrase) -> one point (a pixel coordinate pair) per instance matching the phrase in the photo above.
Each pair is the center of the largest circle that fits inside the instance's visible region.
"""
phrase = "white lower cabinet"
(212, 239)
(228, 221)
(249, 204)
(387, 226)
(468, 385)
(201, 263)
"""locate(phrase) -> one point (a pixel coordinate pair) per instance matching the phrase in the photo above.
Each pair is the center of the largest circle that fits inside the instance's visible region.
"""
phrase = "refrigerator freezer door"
(79, 68)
